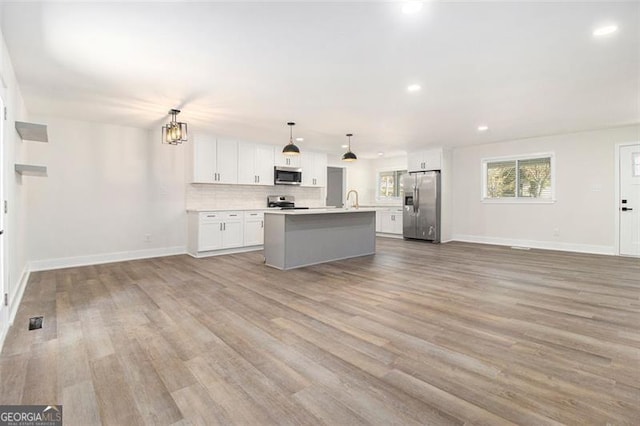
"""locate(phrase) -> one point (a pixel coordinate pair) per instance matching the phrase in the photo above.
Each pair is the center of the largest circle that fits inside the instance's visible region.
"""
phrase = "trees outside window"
(519, 178)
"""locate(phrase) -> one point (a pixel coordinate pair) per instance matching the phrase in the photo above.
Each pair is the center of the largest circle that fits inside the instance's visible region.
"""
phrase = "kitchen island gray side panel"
(274, 240)
(313, 239)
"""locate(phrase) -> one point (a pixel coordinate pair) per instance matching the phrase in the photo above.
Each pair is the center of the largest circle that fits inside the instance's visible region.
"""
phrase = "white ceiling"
(245, 69)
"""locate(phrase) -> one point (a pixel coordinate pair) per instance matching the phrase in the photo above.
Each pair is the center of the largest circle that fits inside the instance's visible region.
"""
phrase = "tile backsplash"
(213, 196)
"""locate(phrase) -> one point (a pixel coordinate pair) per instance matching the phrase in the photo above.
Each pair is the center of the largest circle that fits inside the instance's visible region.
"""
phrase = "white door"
(629, 206)
(253, 232)
(204, 159)
(227, 161)
(232, 234)
(210, 236)
(264, 163)
(246, 164)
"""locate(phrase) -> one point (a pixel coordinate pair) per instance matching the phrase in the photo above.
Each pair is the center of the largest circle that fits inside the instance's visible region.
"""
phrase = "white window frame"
(516, 199)
(386, 199)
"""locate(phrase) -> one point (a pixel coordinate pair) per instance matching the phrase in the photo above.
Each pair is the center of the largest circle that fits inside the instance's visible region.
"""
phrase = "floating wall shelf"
(32, 131)
(30, 170)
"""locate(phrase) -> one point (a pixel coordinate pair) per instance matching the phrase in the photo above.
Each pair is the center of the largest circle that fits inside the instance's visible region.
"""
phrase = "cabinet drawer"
(253, 215)
(208, 217)
(234, 215)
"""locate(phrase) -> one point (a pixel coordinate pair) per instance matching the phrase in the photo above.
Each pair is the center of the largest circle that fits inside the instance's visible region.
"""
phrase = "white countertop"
(249, 209)
(232, 210)
(318, 211)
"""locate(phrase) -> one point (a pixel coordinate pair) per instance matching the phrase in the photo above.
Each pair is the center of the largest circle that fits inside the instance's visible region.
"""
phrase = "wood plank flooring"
(418, 334)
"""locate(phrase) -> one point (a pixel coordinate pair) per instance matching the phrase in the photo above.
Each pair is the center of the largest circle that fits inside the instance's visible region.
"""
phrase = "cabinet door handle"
(258, 179)
(221, 226)
(262, 224)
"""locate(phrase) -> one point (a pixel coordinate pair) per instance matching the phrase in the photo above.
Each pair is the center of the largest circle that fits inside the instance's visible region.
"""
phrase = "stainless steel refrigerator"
(421, 206)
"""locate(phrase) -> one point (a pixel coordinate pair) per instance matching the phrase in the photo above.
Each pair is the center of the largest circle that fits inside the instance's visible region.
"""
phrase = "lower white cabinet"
(219, 232)
(215, 231)
(389, 221)
(253, 228)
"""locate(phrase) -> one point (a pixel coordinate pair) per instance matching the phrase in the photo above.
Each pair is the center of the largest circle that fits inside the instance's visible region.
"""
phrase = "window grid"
(522, 178)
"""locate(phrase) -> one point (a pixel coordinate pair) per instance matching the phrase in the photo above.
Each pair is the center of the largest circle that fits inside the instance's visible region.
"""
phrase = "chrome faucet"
(356, 205)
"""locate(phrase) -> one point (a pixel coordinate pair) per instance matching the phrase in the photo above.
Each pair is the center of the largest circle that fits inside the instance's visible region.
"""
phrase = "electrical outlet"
(147, 238)
(556, 232)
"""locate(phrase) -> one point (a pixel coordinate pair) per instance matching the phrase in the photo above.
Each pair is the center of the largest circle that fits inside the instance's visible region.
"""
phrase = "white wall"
(584, 213)
(15, 189)
(108, 188)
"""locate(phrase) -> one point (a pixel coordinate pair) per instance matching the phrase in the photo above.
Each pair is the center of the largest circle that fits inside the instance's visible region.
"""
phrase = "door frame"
(616, 200)
(5, 316)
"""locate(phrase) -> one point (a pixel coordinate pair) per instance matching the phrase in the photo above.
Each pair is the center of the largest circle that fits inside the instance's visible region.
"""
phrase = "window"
(635, 159)
(526, 178)
(389, 184)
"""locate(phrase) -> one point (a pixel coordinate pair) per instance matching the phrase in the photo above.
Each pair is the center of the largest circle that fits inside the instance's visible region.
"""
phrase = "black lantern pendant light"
(174, 132)
(349, 156)
(290, 148)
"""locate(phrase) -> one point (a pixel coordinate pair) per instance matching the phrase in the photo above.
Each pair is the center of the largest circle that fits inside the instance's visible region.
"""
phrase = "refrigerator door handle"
(416, 199)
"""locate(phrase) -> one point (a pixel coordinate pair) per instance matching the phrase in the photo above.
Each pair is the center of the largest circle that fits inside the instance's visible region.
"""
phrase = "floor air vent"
(35, 323)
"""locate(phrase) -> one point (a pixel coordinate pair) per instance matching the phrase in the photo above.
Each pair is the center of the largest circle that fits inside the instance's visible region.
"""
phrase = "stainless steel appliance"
(421, 206)
(284, 202)
(287, 175)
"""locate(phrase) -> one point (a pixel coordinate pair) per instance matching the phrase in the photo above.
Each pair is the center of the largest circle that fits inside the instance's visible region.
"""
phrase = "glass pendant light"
(174, 132)
(290, 148)
(349, 156)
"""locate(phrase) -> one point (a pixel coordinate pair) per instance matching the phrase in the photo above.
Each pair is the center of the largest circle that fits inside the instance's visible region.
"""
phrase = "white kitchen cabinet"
(253, 228)
(220, 230)
(214, 160)
(255, 164)
(425, 160)
(389, 221)
(314, 169)
(287, 160)
(210, 232)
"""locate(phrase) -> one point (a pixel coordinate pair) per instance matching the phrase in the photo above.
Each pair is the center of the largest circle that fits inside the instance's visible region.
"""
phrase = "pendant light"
(349, 156)
(174, 133)
(290, 148)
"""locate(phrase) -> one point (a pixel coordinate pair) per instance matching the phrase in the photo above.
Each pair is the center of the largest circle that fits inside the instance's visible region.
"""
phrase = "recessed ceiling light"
(483, 128)
(299, 139)
(411, 7)
(606, 30)
(413, 88)
(344, 146)
(381, 154)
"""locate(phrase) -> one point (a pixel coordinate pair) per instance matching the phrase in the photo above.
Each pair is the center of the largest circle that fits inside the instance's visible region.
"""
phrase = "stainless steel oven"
(287, 176)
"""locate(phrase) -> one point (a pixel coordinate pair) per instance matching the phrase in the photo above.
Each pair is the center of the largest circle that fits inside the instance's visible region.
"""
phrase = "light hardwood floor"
(417, 334)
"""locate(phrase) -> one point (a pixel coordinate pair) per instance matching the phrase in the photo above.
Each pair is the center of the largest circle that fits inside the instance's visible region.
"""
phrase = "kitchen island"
(297, 238)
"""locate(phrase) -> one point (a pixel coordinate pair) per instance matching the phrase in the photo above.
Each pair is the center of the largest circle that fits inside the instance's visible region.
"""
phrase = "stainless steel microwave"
(287, 175)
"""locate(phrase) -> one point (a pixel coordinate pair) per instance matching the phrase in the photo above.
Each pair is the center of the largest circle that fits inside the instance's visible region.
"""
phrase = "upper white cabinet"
(425, 160)
(314, 169)
(214, 160)
(255, 164)
(288, 160)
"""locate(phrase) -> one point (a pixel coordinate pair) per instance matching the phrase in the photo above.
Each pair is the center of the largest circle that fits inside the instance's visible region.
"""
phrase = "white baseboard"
(544, 245)
(385, 235)
(96, 259)
(199, 255)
